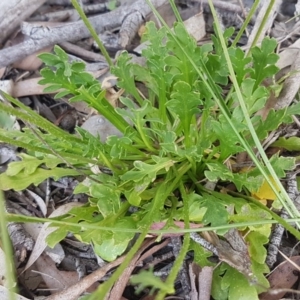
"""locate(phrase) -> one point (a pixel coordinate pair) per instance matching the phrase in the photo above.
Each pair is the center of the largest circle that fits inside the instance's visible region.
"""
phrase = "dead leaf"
(40, 244)
(31, 62)
(205, 283)
(196, 26)
(284, 276)
(265, 192)
(32, 280)
(287, 56)
(234, 252)
(55, 280)
(119, 286)
(28, 87)
(40, 202)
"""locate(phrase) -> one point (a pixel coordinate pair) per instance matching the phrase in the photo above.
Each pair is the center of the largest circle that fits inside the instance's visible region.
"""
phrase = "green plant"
(184, 133)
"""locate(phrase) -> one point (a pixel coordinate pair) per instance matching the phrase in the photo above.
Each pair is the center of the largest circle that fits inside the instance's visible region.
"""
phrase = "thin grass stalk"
(7, 248)
(246, 22)
(57, 223)
(175, 11)
(262, 24)
(282, 195)
(92, 31)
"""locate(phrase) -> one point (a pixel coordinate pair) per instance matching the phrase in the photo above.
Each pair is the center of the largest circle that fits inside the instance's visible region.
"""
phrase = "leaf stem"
(81, 226)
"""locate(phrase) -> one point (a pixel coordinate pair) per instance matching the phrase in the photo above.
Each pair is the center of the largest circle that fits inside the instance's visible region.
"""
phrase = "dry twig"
(44, 36)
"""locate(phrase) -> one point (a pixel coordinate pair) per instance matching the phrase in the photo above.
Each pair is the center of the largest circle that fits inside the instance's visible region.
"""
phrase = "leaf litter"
(231, 283)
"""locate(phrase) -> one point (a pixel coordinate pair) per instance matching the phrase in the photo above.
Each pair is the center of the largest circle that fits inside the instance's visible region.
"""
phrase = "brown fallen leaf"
(55, 279)
(234, 252)
(284, 276)
(201, 281)
(31, 62)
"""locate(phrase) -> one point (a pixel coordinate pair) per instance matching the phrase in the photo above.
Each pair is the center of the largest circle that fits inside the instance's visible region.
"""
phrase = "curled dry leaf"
(40, 202)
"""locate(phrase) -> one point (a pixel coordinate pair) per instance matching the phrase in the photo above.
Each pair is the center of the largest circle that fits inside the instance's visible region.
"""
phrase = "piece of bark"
(205, 283)
(21, 240)
(130, 27)
(277, 233)
(72, 31)
(204, 243)
(71, 14)
(182, 275)
(13, 13)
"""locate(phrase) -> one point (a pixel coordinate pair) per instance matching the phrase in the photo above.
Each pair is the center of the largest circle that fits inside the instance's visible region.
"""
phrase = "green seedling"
(183, 133)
